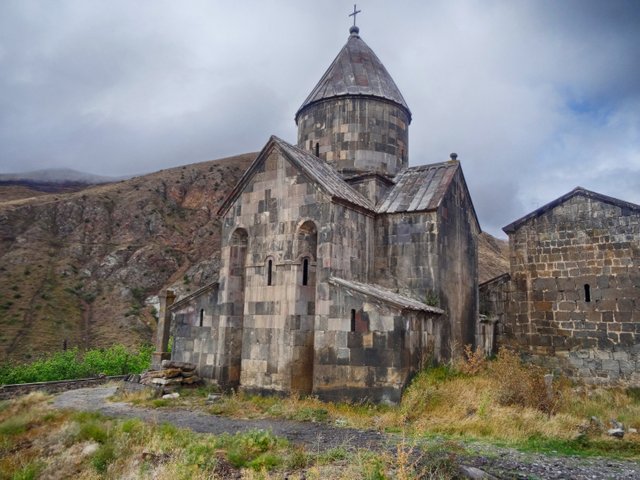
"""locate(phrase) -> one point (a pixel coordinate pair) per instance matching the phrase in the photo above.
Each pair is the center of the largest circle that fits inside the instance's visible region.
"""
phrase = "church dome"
(356, 71)
(356, 118)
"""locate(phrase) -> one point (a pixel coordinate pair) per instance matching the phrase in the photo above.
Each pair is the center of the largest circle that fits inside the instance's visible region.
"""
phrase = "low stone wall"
(620, 365)
(15, 390)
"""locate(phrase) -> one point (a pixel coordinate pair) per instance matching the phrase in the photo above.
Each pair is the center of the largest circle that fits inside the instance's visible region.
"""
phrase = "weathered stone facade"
(343, 270)
(347, 138)
(574, 296)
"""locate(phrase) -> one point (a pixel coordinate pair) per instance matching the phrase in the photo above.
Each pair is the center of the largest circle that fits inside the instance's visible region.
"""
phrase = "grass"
(47, 443)
(442, 413)
(503, 402)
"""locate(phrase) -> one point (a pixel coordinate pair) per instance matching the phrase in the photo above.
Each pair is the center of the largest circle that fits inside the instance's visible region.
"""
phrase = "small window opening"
(317, 149)
(305, 271)
(587, 293)
(353, 320)
(201, 316)
(270, 272)
(402, 154)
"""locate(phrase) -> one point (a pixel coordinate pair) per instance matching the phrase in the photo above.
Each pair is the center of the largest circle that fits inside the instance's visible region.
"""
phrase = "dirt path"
(503, 463)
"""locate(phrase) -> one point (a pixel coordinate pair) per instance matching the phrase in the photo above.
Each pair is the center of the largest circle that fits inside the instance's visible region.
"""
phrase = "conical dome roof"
(356, 71)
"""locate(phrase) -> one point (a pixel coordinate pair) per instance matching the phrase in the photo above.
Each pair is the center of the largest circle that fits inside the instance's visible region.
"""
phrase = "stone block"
(611, 366)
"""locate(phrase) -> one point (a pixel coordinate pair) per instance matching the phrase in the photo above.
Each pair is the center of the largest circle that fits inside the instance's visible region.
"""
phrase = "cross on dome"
(354, 29)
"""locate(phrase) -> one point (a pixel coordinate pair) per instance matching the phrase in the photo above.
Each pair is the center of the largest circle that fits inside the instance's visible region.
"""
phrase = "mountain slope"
(493, 257)
(78, 266)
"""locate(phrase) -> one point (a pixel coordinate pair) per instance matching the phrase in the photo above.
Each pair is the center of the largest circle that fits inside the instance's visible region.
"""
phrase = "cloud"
(536, 97)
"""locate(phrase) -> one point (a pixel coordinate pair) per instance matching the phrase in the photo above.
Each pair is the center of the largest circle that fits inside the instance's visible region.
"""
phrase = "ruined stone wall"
(376, 356)
(195, 329)
(458, 272)
(576, 288)
(494, 297)
(361, 134)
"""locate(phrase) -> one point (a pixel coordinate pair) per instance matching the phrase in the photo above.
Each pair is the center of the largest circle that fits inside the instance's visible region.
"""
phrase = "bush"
(253, 449)
(70, 364)
(475, 361)
(522, 384)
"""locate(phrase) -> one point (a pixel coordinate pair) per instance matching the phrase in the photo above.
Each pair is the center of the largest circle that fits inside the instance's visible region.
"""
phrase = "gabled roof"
(419, 188)
(356, 71)
(503, 277)
(185, 300)
(385, 295)
(422, 188)
(319, 171)
(578, 191)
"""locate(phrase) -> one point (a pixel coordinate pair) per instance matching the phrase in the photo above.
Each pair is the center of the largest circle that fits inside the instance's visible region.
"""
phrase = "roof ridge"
(513, 226)
(357, 198)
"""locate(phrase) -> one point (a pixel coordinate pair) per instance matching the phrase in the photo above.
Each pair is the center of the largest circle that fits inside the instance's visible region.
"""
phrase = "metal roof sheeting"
(385, 295)
(419, 188)
(356, 71)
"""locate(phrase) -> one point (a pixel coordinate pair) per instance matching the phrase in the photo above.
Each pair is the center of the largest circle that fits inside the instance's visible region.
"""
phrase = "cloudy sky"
(536, 97)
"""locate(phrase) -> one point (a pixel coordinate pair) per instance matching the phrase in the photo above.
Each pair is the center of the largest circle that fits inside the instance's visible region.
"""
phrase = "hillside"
(78, 266)
(493, 257)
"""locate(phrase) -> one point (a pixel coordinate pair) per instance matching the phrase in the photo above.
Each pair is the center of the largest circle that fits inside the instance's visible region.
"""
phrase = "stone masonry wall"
(361, 134)
(194, 342)
(458, 272)
(575, 289)
(433, 255)
(279, 319)
(377, 357)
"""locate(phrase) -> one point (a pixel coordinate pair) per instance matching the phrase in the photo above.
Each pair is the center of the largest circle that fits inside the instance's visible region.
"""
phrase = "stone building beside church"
(571, 300)
(343, 269)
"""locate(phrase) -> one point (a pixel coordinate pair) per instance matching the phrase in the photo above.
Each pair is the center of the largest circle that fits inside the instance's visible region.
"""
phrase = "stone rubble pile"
(173, 374)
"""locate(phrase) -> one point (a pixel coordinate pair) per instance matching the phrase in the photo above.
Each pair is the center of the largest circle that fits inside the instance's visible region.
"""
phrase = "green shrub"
(254, 449)
(92, 431)
(30, 471)
(103, 457)
(70, 364)
(14, 425)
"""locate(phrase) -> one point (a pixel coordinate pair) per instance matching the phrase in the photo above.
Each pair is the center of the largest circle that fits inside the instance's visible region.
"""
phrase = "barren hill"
(78, 266)
(493, 257)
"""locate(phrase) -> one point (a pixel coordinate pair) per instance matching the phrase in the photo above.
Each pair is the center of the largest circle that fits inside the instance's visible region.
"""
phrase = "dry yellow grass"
(443, 401)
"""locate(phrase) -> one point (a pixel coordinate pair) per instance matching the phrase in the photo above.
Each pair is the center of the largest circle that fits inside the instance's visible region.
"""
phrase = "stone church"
(344, 269)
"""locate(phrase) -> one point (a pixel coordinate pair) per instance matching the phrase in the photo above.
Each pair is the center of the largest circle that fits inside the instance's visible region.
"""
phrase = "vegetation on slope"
(78, 267)
(71, 364)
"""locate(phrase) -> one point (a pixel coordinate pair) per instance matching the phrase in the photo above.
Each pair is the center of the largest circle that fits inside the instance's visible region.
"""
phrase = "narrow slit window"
(317, 149)
(305, 271)
(587, 292)
(353, 320)
(270, 272)
(201, 316)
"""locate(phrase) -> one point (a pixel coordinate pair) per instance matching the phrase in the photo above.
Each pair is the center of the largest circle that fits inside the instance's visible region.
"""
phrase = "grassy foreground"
(38, 441)
(503, 402)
